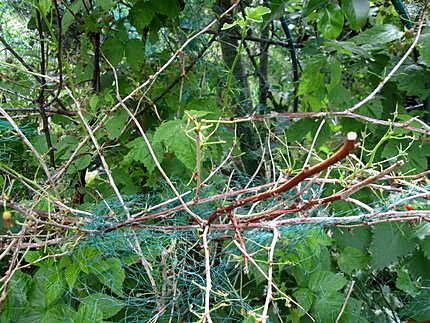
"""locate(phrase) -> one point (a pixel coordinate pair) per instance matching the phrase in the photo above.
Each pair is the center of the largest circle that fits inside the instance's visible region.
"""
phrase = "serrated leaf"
(379, 34)
(356, 11)
(142, 14)
(85, 256)
(113, 49)
(108, 305)
(116, 123)
(351, 259)
(82, 162)
(110, 273)
(330, 23)
(166, 7)
(424, 49)
(390, 241)
(425, 247)
(88, 313)
(71, 274)
(304, 297)
(413, 80)
(32, 256)
(326, 282)
(94, 101)
(172, 135)
(404, 282)
(48, 286)
(327, 307)
(135, 52)
(139, 152)
(419, 308)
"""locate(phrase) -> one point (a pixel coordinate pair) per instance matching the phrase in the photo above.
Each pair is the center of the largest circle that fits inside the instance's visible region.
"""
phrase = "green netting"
(160, 275)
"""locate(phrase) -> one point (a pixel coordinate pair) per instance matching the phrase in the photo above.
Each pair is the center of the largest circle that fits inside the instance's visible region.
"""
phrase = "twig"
(28, 144)
(344, 151)
(392, 72)
(294, 61)
(151, 79)
(150, 148)
(207, 316)
(348, 295)
(270, 275)
(272, 283)
(99, 151)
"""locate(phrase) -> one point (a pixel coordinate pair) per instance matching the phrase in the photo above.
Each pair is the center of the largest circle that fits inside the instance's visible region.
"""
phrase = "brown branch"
(343, 194)
(41, 98)
(363, 219)
(344, 151)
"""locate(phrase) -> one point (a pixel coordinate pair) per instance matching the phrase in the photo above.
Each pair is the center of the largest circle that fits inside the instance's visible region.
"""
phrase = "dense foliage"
(111, 109)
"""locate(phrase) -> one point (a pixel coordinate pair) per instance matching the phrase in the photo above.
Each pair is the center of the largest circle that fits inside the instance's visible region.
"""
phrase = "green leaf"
(113, 50)
(167, 7)
(423, 231)
(44, 7)
(413, 79)
(351, 259)
(108, 305)
(116, 123)
(68, 17)
(39, 142)
(418, 309)
(48, 286)
(304, 297)
(58, 313)
(326, 282)
(142, 14)
(424, 48)
(256, 14)
(88, 313)
(227, 25)
(358, 238)
(404, 282)
(390, 242)
(298, 130)
(71, 274)
(356, 11)
(105, 4)
(135, 52)
(330, 23)
(82, 162)
(94, 101)
(139, 152)
(379, 34)
(425, 247)
(418, 266)
(312, 5)
(111, 274)
(172, 134)
(32, 256)
(327, 307)
(85, 256)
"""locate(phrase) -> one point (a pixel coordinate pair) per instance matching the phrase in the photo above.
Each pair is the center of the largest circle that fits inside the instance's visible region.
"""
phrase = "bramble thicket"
(214, 161)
